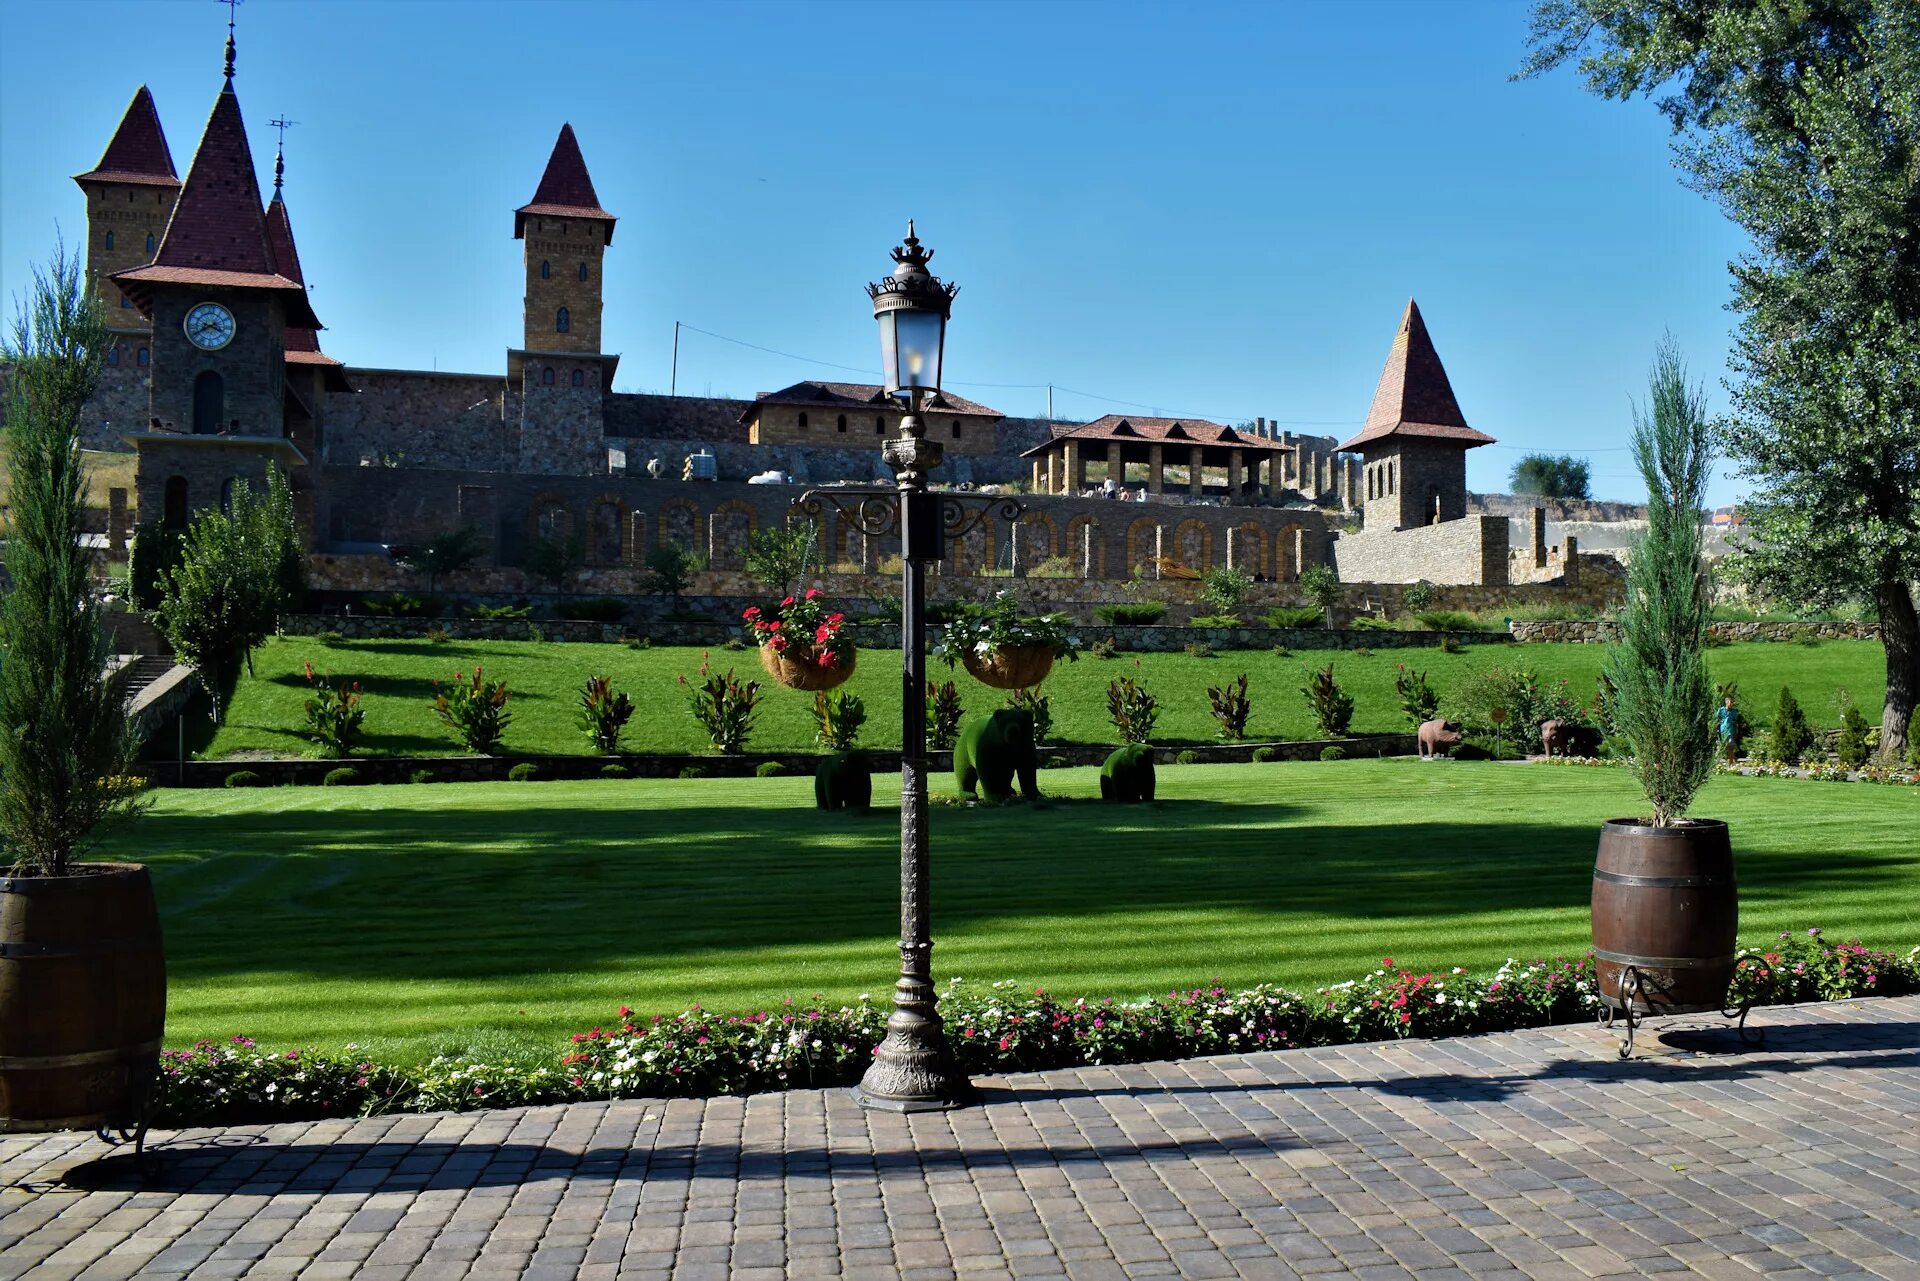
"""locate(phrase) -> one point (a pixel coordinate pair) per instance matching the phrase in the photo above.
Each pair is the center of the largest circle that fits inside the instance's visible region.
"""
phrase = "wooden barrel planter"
(83, 998)
(808, 675)
(1666, 906)
(1010, 666)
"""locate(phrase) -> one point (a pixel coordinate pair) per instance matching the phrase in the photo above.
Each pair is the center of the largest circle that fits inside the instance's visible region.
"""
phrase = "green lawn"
(416, 916)
(398, 677)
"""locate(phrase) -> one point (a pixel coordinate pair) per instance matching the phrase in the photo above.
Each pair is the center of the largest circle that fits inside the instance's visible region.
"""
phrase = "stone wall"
(120, 405)
(1558, 509)
(406, 418)
(1471, 550)
(565, 246)
(1593, 631)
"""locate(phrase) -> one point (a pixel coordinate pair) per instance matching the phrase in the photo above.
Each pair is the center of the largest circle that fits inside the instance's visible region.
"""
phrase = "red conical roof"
(138, 152)
(286, 257)
(218, 233)
(566, 188)
(1414, 397)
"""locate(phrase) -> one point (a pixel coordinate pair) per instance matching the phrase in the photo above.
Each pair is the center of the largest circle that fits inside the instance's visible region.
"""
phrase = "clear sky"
(1204, 209)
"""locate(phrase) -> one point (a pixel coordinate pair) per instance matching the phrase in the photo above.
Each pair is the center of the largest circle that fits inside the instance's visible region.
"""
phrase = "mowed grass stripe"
(408, 917)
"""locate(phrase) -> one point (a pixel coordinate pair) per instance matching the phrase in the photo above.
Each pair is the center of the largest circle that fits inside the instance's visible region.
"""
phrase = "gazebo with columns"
(1248, 466)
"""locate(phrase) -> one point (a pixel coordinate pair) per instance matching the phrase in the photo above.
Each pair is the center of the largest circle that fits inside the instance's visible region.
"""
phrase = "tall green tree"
(1801, 120)
(778, 556)
(448, 552)
(1663, 701)
(1550, 476)
(64, 741)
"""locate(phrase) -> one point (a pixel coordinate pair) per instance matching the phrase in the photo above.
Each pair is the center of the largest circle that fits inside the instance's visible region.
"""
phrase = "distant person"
(1727, 720)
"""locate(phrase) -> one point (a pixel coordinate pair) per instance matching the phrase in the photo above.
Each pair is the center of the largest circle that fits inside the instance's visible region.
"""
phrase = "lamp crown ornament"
(911, 279)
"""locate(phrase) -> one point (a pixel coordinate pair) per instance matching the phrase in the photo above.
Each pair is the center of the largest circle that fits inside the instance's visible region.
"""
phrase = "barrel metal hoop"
(1659, 882)
(29, 1062)
(1663, 962)
(92, 947)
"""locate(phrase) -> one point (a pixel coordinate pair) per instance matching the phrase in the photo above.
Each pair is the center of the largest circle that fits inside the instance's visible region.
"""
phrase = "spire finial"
(231, 6)
(280, 151)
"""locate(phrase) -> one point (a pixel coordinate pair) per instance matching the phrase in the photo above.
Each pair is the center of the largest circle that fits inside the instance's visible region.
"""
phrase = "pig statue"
(1437, 736)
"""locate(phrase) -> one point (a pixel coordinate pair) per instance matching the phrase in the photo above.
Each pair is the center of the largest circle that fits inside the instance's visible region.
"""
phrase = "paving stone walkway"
(1526, 1154)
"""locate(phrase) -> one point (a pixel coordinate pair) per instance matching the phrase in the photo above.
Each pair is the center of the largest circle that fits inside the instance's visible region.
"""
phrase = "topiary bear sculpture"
(844, 781)
(994, 750)
(1127, 775)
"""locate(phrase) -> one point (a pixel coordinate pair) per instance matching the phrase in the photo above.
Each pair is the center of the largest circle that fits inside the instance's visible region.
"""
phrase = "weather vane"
(280, 151)
(232, 5)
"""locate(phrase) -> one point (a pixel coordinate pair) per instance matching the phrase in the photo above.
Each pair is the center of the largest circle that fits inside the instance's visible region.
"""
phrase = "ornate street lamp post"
(913, 1070)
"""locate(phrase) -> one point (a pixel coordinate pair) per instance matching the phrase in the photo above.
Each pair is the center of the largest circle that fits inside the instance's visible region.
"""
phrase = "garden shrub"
(1851, 747)
(1127, 776)
(724, 706)
(476, 708)
(1108, 648)
(1037, 705)
(595, 609)
(615, 770)
(1333, 752)
(1199, 649)
(943, 715)
(1448, 620)
(1055, 567)
(1131, 709)
(1419, 702)
(770, 769)
(436, 635)
(243, 778)
(1224, 587)
(1332, 707)
(333, 715)
(844, 781)
(1056, 762)
(1231, 708)
(499, 612)
(1131, 613)
(1285, 617)
(152, 555)
(1790, 738)
(838, 716)
(1266, 754)
(1214, 620)
(1368, 623)
(1321, 585)
(1281, 651)
(1187, 757)
(421, 776)
(398, 605)
(603, 714)
(694, 771)
(1449, 645)
(641, 642)
(524, 772)
(330, 638)
(1419, 597)
(345, 776)
(734, 645)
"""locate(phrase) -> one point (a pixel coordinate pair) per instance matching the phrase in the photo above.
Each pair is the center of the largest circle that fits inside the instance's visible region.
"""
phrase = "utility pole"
(1049, 402)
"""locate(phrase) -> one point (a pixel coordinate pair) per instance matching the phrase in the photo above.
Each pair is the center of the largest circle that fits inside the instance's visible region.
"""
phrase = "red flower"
(788, 601)
(750, 611)
(811, 593)
(826, 659)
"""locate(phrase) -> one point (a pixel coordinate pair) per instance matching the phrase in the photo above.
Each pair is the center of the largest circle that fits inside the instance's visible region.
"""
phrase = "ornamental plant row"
(995, 1028)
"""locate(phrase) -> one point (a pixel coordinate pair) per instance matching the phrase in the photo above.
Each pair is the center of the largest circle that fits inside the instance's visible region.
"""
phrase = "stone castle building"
(218, 372)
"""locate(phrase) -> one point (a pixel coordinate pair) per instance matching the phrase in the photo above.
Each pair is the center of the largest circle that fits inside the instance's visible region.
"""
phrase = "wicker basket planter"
(806, 675)
(1010, 666)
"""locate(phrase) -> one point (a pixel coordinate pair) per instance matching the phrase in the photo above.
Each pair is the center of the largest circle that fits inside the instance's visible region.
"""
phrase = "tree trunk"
(1900, 636)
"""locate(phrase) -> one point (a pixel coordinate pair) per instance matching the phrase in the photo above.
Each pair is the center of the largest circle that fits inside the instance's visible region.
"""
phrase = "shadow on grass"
(398, 889)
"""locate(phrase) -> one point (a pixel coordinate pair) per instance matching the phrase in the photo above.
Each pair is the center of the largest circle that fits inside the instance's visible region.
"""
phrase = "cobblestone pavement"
(1531, 1153)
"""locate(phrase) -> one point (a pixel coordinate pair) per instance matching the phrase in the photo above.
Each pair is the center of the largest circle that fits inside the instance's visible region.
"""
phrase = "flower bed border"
(999, 1028)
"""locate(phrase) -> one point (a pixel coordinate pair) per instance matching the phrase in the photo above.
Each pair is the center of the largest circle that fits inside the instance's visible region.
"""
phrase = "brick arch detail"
(1076, 544)
(550, 502)
(1285, 569)
(1191, 528)
(1251, 548)
(637, 539)
(1140, 542)
(1035, 526)
(725, 550)
(679, 522)
(598, 552)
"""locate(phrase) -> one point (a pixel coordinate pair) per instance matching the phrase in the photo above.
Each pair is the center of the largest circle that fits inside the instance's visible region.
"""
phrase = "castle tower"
(1415, 439)
(130, 196)
(220, 310)
(561, 373)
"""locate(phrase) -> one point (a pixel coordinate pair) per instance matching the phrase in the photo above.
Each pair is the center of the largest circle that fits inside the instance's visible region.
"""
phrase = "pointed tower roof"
(1414, 397)
(302, 345)
(565, 190)
(218, 233)
(138, 152)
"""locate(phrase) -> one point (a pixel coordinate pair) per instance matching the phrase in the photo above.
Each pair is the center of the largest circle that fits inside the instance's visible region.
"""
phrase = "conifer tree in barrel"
(1665, 909)
(82, 979)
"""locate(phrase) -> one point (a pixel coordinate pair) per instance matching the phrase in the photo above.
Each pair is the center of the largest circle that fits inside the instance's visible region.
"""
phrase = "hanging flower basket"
(806, 672)
(1010, 666)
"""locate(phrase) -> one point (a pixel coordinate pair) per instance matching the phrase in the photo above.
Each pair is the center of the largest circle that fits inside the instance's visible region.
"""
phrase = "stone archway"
(606, 531)
(1286, 566)
(1250, 549)
(1094, 566)
(1143, 544)
(679, 524)
(1193, 545)
(549, 518)
(729, 530)
(1039, 540)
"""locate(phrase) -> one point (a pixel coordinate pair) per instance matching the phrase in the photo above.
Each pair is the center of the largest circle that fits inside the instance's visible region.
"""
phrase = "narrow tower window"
(956, 429)
(143, 358)
(109, 240)
(546, 269)
(150, 244)
(583, 271)
(546, 376)
(803, 422)
(209, 403)
(562, 322)
(879, 425)
(842, 424)
(113, 354)
(173, 505)
(579, 378)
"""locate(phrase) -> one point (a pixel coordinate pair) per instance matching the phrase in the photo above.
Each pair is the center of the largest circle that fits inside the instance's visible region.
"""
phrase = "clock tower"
(220, 309)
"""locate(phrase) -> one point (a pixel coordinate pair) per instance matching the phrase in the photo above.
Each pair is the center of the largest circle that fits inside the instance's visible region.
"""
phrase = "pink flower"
(812, 592)
(788, 601)
(750, 611)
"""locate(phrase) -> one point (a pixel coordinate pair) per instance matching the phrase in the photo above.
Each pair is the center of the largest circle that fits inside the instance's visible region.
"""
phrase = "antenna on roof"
(231, 6)
(280, 151)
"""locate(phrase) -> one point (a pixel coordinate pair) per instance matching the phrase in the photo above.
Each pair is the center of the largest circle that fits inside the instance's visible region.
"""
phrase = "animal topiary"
(1127, 775)
(770, 769)
(1333, 752)
(1266, 754)
(844, 781)
(243, 778)
(992, 752)
(524, 772)
(345, 776)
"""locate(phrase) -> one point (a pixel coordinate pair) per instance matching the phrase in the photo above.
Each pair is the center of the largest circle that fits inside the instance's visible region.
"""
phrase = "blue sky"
(1213, 210)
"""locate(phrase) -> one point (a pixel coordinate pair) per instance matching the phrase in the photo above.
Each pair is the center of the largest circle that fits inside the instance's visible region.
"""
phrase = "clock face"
(209, 326)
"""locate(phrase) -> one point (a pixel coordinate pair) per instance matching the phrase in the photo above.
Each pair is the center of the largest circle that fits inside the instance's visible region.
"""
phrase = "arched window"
(841, 425)
(143, 358)
(209, 402)
(109, 240)
(956, 429)
(546, 376)
(562, 322)
(1391, 478)
(173, 505)
(579, 378)
(803, 422)
(879, 425)
(150, 244)
(546, 269)
(583, 271)
(113, 354)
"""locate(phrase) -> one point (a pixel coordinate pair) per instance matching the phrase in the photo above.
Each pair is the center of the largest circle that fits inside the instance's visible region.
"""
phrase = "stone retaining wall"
(477, 769)
(1593, 631)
